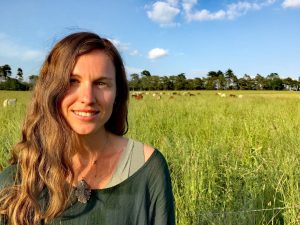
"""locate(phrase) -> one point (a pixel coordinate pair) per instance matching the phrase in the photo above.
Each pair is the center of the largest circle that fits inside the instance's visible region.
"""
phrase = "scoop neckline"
(128, 147)
(129, 178)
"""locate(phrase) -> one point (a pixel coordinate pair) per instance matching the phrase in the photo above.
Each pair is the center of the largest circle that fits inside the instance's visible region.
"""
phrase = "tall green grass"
(11, 121)
(229, 157)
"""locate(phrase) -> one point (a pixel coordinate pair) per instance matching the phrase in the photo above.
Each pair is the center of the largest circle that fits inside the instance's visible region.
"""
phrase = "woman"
(73, 166)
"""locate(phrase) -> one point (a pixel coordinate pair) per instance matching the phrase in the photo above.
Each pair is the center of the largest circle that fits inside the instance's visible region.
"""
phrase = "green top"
(144, 198)
(132, 159)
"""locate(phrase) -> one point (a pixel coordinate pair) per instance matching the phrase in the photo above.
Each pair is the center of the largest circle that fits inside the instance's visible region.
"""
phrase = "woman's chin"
(86, 131)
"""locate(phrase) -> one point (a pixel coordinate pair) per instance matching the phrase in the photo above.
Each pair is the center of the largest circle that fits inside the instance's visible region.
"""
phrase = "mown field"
(232, 160)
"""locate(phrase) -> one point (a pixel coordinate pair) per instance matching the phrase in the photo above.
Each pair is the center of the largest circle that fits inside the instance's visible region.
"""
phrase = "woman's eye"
(73, 81)
(101, 84)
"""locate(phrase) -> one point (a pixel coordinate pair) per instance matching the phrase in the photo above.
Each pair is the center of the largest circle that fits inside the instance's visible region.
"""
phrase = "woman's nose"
(87, 94)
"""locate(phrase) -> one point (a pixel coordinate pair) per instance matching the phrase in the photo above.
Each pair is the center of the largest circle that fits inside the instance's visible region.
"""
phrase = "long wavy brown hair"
(47, 145)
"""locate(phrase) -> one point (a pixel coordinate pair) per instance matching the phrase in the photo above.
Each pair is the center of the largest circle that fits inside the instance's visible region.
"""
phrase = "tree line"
(215, 80)
(8, 82)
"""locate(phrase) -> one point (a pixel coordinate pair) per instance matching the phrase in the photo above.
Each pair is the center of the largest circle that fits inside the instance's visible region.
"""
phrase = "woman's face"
(89, 101)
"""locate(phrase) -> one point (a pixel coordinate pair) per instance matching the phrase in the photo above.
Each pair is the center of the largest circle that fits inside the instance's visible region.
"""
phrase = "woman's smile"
(86, 115)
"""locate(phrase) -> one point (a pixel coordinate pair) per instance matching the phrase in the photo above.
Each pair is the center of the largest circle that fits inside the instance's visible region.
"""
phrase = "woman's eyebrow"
(74, 75)
(105, 78)
(100, 77)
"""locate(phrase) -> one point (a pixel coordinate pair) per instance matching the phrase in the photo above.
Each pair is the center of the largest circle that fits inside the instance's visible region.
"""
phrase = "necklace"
(83, 190)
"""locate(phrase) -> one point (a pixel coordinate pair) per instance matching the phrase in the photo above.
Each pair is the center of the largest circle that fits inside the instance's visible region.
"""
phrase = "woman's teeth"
(85, 114)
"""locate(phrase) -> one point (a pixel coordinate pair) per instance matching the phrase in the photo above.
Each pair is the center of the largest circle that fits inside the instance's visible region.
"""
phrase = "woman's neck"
(96, 160)
(94, 143)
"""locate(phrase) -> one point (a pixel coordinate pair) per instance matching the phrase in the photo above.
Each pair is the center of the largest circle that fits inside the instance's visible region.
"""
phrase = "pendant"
(83, 192)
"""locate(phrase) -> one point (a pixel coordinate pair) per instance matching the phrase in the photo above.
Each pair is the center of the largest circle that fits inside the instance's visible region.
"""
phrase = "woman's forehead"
(94, 63)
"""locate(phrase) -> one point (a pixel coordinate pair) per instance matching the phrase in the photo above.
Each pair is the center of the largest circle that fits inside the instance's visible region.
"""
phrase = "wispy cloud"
(241, 8)
(205, 15)
(135, 53)
(11, 49)
(131, 70)
(157, 53)
(120, 45)
(291, 4)
(173, 2)
(164, 13)
(125, 47)
(232, 10)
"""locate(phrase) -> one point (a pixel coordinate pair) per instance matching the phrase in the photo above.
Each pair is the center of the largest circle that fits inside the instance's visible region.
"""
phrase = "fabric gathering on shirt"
(139, 193)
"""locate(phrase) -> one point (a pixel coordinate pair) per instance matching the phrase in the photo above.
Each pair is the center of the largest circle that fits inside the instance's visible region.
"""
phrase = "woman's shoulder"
(154, 169)
(158, 161)
(146, 149)
(154, 160)
(7, 176)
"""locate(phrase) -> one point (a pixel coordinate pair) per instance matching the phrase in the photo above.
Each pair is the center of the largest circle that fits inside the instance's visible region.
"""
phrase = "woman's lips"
(85, 114)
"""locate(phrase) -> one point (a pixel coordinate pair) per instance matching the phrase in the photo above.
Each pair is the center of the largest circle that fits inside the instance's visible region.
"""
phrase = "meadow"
(232, 160)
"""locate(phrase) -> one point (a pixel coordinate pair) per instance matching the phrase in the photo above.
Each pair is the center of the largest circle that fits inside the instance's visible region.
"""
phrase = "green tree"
(154, 82)
(1, 71)
(32, 81)
(166, 83)
(259, 82)
(231, 81)
(296, 85)
(145, 83)
(19, 75)
(13, 84)
(220, 81)
(274, 82)
(180, 82)
(246, 82)
(288, 83)
(210, 81)
(189, 84)
(6, 69)
(134, 83)
(215, 80)
(198, 83)
(146, 73)
(172, 80)
(2, 77)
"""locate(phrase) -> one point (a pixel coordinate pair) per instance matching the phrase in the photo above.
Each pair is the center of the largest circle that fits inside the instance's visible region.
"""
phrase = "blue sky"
(166, 37)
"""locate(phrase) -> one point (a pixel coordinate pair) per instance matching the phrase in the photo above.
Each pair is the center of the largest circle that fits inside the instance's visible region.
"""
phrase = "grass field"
(232, 160)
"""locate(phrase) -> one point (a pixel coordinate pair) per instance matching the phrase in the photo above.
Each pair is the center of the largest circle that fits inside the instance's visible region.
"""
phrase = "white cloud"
(173, 2)
(125, 47)
(10, 49)
(119, 45)
(237, 9)
(134, 53)
(232, 11)
(188, 4)
(206, 15)
(163, 13)
(116, 42)
(291, 4)
(267, 2)
(157, 53)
